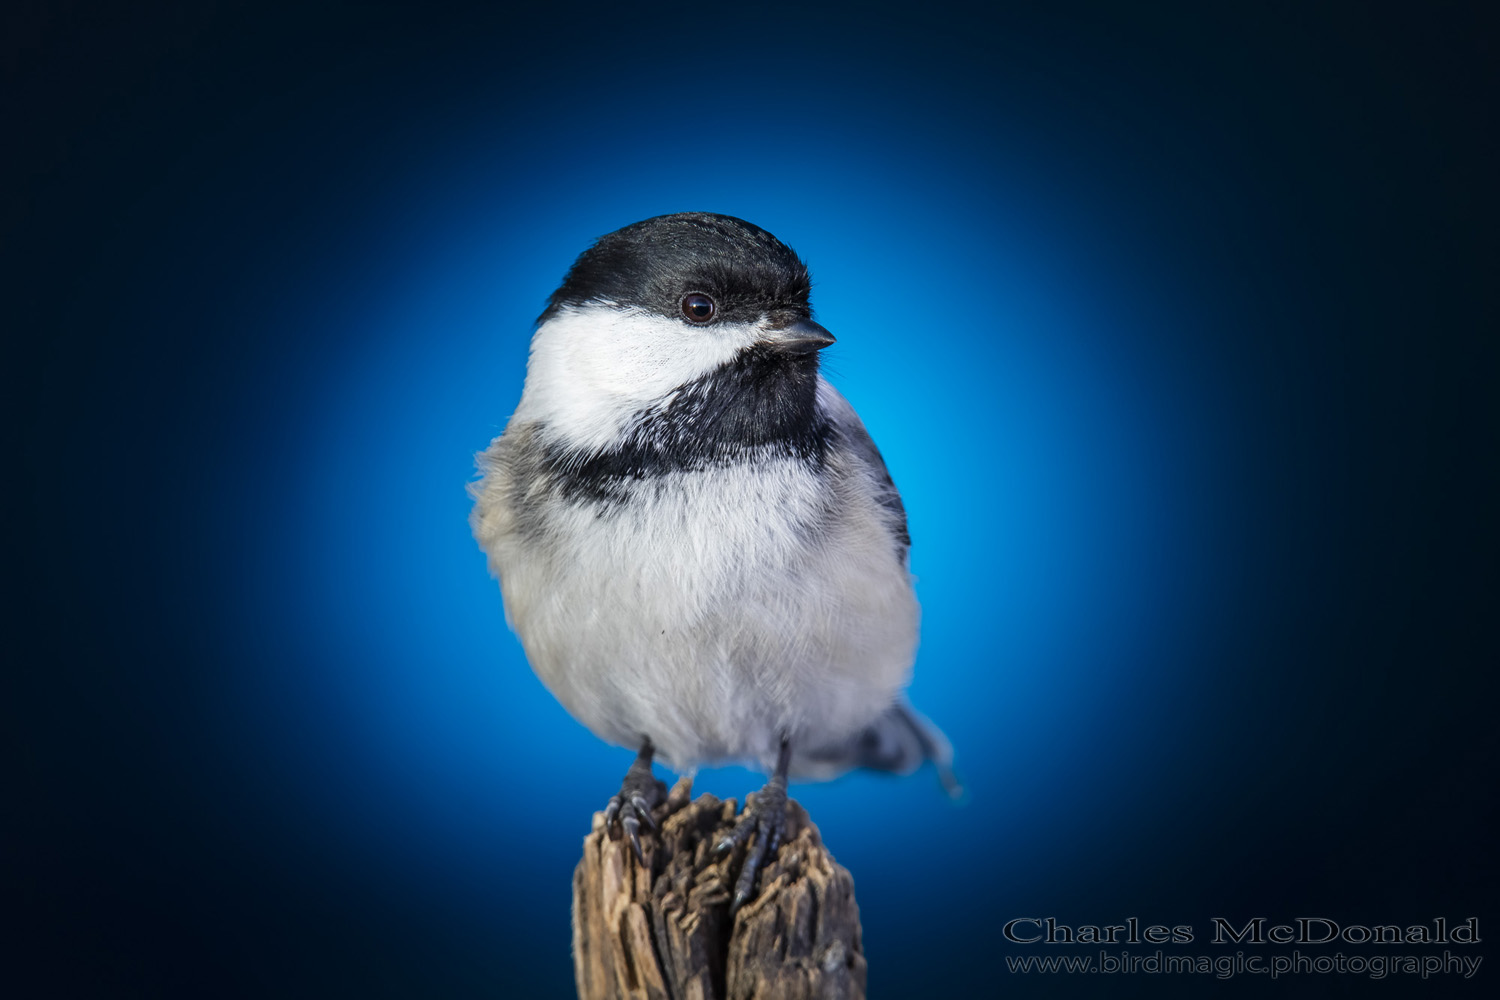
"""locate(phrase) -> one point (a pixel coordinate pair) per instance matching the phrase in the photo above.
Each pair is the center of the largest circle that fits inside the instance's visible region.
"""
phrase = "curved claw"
(744, 887)
(743, 827)
(643, 810)
(632, 828)
(630, 814)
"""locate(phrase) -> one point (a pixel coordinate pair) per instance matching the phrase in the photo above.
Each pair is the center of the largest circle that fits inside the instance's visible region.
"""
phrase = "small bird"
(697, 541)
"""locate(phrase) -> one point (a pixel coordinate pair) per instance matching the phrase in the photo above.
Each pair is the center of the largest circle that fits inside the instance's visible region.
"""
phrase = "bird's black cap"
(652, 264)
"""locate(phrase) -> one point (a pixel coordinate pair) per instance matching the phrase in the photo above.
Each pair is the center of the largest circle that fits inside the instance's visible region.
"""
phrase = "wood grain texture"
(662, 931)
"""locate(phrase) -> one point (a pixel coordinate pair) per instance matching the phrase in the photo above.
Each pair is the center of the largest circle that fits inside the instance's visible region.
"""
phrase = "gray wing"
(851, 430)
(902, 739)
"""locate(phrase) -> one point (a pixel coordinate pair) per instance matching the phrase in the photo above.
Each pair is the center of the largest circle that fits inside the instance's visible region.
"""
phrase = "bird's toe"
(640, 793)
(765, 818)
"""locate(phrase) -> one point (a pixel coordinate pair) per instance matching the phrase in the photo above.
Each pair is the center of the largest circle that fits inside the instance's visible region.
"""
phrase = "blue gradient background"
(1176, 329)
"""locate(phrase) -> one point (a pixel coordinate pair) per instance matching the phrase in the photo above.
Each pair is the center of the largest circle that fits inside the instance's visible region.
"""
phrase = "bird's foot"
(765, 817)
(640, 793)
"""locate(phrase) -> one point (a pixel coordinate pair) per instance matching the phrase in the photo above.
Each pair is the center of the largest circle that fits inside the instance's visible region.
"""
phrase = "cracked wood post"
(663, 932)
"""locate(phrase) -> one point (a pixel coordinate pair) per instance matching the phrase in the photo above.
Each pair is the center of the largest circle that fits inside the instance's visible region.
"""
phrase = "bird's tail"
(900, 741)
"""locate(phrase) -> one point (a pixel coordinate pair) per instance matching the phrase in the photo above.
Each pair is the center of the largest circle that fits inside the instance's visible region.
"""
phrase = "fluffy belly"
(710, 628)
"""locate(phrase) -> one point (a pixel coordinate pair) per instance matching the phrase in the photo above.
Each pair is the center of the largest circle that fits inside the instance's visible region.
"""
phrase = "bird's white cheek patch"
(593, 368)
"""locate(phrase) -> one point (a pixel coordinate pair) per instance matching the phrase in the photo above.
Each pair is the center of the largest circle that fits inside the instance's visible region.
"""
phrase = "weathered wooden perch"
(663, 931)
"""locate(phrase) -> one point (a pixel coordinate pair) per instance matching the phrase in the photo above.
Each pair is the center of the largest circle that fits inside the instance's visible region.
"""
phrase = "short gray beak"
(801, 336)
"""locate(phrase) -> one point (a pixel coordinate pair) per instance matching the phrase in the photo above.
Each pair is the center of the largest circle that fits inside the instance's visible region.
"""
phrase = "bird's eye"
(698, 308)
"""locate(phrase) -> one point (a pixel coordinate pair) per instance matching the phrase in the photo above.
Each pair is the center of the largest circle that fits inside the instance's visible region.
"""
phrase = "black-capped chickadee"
(697, 541)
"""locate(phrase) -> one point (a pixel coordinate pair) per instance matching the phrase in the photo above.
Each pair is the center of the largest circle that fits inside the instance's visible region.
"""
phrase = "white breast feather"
(713, 611)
